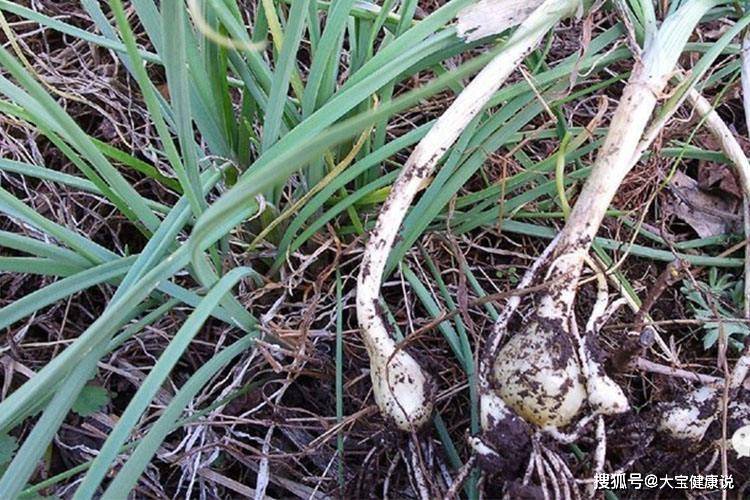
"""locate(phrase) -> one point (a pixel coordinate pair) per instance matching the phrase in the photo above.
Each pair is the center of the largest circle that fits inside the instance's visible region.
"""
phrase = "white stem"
(742, 367)
(618, 154)
(735, 153)
(689, 419)
(401, 389)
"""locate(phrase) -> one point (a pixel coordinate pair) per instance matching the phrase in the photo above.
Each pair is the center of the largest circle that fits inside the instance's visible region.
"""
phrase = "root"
(599, 455)
(458, 481)
(417, 472)
(569, 486)
(536, 457)
(551, 472)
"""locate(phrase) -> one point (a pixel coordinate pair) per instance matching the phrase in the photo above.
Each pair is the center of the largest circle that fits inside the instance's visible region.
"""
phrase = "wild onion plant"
(547, 371)
(401, 389)
(278, 126)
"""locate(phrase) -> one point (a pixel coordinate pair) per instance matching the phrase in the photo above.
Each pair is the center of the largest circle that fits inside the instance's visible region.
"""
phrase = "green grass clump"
(265, 137)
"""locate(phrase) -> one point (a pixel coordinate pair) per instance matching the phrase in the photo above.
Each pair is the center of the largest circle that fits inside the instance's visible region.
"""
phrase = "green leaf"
(91, 399)
(8, 445)
(149, 387)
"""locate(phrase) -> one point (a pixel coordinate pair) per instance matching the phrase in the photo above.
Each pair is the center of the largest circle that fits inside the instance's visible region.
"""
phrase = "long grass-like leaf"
(322, 58)
(149, 387)
(48, 109)
(188, 180)
(283, 72)
(128, 475)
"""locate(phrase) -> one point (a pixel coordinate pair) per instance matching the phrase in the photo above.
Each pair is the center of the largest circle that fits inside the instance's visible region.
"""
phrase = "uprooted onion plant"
(545, 374)
(688, 418)
(548, 372)
(401, 388)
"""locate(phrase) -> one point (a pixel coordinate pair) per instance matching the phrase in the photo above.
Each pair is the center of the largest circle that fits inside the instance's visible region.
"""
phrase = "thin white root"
(458, 481)
(570, 437)
(602, 299)
(536, 456)
(600, 455)
(529, 472)
(401, 389)
(613, 308)
(418, 473)
(569, 486)
(551, 473)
